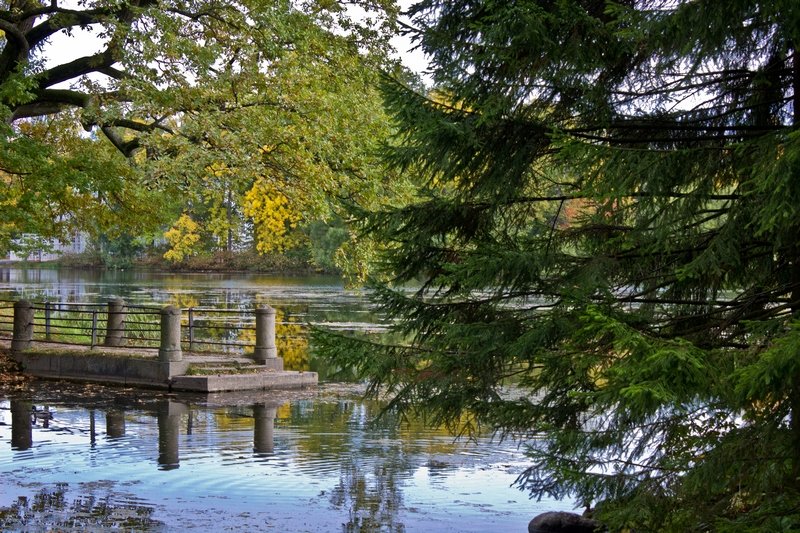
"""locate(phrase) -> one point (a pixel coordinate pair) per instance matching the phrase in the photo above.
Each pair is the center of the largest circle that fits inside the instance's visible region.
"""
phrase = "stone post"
(170, 349)
(115, 325)
(23, 326)
(266, 353)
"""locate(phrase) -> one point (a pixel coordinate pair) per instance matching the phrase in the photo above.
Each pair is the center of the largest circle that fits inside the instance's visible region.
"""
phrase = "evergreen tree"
(609, 225)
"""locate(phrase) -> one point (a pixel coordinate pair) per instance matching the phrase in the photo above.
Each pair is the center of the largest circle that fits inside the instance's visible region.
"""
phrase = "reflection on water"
(301, 461)
(21, 425)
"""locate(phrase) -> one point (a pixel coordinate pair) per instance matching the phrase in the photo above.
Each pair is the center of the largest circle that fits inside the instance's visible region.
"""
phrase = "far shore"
(232, 262)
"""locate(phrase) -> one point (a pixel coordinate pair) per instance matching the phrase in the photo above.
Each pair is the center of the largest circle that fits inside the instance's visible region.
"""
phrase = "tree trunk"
(229, 213)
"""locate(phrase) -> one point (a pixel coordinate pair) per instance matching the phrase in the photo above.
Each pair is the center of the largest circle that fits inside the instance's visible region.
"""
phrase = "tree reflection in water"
(372, 501)
(374, 455)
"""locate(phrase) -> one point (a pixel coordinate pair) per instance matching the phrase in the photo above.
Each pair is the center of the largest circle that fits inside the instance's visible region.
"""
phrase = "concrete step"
(276, 380)
(227, 369)
(223, 364)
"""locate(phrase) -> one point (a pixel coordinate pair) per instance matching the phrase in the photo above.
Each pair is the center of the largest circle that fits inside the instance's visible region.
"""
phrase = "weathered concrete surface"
(115, 325)
(272, 363)
(143, 368)
(170, 349)
(23, 326)
(264, 380)
(265, 335)
(102, 368)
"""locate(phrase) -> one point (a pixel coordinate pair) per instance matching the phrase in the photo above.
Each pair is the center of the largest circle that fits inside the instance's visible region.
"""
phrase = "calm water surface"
(86, 458)
(318, 299)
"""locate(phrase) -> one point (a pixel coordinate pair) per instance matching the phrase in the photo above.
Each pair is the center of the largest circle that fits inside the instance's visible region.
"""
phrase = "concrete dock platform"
(195, 372)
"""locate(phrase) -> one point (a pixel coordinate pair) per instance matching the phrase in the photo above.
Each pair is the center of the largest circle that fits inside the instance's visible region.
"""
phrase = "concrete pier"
(167, 368)
(124, 366)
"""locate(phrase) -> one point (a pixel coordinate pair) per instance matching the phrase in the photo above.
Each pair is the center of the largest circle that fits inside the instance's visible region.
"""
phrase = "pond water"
(87, 457)
(83, 458)
(307, 298)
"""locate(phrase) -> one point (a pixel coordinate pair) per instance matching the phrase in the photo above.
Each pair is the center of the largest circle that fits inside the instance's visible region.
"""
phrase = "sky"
(413, 59)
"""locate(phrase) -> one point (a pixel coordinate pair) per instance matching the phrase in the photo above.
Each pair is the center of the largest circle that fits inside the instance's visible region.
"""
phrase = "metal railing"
(228, 330)
(85, 324)
(202, 329)
(6, 318)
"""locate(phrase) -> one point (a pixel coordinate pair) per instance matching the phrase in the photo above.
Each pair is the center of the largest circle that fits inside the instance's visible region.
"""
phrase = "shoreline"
(210, 266)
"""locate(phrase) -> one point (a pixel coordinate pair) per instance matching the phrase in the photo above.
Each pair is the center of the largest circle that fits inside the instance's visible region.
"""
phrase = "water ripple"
(248, 465)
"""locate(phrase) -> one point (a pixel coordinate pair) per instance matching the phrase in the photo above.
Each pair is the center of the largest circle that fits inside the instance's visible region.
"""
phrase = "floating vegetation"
(50, 509)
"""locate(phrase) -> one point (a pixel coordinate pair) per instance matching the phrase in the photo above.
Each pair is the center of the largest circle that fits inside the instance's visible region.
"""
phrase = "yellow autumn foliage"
(181, 237)
(274, 217)
(291, 339)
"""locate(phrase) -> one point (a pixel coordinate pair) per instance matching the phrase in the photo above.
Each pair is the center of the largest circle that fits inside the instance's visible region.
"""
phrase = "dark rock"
(560, 522)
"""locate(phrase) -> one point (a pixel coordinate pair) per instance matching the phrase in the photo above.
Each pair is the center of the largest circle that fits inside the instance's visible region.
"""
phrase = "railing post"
(23, 326)
(191, 329)
(170, 349)
(94, 328)
(47, 320)
(115, 324)
(266, 353)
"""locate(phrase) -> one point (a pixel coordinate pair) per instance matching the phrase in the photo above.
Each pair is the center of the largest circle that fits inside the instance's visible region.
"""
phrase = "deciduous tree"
(182, 238)
(179, 88)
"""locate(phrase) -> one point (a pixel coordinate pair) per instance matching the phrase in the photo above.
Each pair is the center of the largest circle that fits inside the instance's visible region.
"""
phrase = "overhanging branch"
(78, 67)
(13, 33)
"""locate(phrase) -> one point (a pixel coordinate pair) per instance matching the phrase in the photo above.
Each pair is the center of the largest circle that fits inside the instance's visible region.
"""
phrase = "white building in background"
(50, 249)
